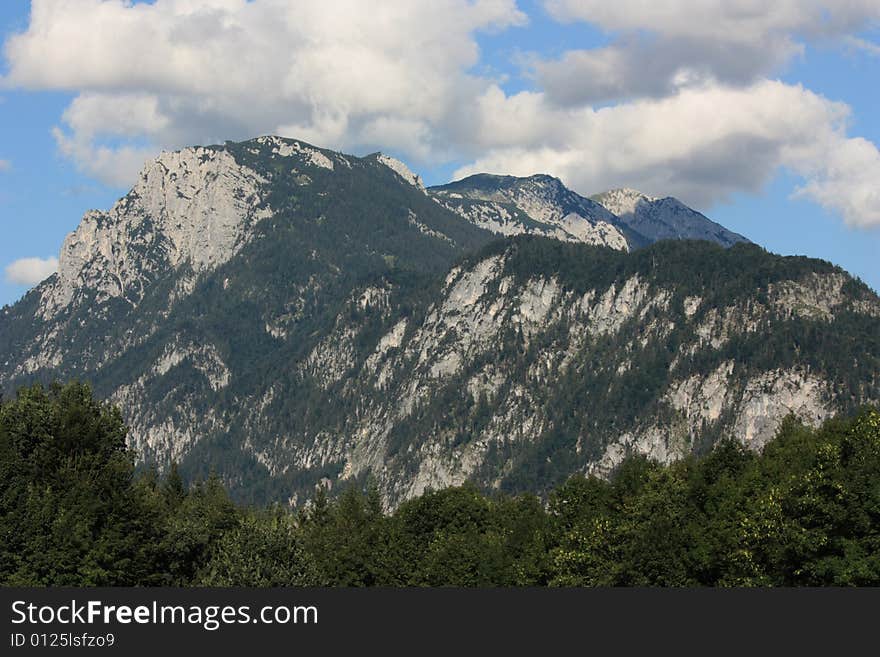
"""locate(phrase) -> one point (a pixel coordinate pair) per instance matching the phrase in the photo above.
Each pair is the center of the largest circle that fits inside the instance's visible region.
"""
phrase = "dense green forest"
(75, 510)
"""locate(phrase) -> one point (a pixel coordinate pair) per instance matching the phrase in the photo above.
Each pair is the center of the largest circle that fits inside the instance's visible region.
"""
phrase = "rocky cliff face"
(194, 206)
(663, 218)
(283, 315)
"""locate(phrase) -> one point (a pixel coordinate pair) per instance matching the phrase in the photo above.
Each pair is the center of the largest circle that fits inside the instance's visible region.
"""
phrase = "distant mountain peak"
(663, 218)
(539, 204)
(623, 200)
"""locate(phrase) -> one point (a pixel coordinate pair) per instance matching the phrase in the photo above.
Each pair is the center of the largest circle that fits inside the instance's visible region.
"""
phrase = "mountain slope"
(537, 359)
(663, 218)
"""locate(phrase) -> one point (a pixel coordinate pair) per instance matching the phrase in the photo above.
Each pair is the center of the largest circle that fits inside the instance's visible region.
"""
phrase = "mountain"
(537, 205)
(305, 217)
(283, 315)
(622, 219)
(663, 218)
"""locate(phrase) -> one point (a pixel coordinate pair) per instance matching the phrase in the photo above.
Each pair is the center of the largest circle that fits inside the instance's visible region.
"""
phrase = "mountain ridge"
(553, 209)
(663, 218)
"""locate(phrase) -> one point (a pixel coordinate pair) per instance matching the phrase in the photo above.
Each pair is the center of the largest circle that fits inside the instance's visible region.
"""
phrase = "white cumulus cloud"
(728, 20)
(30, 271)
(661, 46)
(341, 73)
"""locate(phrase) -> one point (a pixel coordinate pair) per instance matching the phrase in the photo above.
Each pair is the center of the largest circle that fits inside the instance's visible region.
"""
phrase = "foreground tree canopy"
(74, 510)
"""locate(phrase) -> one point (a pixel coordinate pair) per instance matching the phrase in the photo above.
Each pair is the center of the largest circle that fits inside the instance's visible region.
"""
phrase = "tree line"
(75, 510)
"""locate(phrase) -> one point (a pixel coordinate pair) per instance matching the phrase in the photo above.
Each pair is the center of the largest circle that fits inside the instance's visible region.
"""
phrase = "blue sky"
(766, 120)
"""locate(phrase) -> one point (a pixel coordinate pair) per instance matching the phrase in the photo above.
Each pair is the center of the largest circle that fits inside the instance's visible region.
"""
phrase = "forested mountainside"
(76, 512)
(285, 315)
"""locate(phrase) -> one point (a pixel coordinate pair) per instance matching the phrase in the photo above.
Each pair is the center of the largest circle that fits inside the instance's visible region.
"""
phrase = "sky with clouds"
(766, 116)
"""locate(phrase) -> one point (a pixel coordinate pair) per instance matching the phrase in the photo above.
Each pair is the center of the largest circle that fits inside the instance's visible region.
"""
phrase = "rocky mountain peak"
(193, 205)
(539, 204)
(622, 201)
(664, 218)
